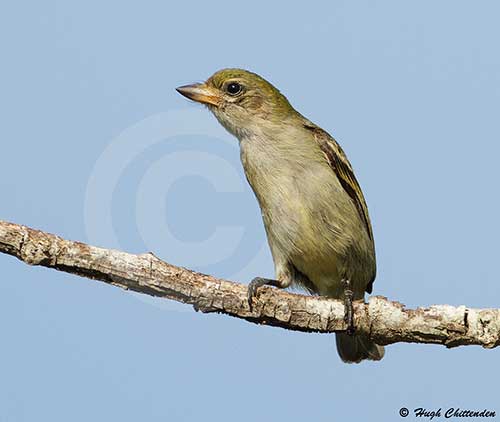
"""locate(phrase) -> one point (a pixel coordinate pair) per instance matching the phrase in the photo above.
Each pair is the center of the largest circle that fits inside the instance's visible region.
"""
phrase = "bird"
(314, 212)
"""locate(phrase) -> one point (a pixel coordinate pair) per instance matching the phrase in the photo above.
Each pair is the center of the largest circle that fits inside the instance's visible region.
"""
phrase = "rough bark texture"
(384, 321)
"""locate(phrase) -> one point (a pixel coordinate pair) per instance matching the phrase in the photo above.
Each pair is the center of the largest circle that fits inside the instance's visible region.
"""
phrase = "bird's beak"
(200, 93)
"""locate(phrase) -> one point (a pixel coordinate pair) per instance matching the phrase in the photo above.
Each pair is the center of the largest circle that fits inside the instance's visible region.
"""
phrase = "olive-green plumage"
(314, 212)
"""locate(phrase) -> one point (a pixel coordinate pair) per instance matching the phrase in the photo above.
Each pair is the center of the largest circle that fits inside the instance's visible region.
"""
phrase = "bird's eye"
(234, 88)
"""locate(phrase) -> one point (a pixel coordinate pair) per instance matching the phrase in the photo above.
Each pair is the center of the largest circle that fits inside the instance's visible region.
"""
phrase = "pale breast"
(308, 216)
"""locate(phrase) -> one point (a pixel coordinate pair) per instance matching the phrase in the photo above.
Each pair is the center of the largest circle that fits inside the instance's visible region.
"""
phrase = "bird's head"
(242, 101)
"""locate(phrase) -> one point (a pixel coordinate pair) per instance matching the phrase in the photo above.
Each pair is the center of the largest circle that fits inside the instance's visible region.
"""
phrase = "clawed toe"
(349, 311)
(255, 284)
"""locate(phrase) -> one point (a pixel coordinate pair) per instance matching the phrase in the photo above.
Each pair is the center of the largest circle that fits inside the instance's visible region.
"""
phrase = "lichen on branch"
(383, 320)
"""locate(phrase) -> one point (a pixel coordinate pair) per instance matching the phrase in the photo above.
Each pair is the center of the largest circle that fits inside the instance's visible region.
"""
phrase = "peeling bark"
(383, 320)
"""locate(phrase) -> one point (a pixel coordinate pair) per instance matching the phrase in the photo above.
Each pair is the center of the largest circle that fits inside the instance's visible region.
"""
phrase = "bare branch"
(384, 321)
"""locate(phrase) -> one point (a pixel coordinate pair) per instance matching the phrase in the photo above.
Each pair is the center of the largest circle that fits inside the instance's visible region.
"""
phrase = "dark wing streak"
(337, 159)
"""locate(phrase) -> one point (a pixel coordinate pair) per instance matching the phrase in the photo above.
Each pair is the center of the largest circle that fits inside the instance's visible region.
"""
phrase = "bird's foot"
(349, 311)
(255, 284)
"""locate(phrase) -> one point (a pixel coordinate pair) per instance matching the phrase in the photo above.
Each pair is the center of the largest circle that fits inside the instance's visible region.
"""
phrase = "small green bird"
(314, 212)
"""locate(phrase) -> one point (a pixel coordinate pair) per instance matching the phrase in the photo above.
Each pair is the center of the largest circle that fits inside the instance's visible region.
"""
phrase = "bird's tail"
(354, 349)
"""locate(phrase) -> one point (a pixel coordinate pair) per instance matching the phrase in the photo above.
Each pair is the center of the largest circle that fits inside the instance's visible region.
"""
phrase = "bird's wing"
(342, 167)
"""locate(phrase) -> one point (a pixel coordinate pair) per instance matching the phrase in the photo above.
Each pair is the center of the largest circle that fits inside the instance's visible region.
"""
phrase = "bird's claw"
(349, 311)
(254, 285)
(252, 289)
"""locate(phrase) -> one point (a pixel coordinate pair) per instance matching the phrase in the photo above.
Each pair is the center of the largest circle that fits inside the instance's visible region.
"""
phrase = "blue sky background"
(97, 146)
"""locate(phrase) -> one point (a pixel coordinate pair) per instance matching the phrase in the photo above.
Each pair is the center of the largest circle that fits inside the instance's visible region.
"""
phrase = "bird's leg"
(259, 282)
(349, 311)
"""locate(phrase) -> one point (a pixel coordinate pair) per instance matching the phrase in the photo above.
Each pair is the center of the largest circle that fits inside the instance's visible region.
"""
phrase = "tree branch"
(384, 321)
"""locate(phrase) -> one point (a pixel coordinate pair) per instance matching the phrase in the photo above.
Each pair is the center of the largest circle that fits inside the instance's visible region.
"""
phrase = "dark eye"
(234, 88)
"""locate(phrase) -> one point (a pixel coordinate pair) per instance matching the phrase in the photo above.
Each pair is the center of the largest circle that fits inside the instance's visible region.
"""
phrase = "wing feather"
(339, 163)
(337, 159)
